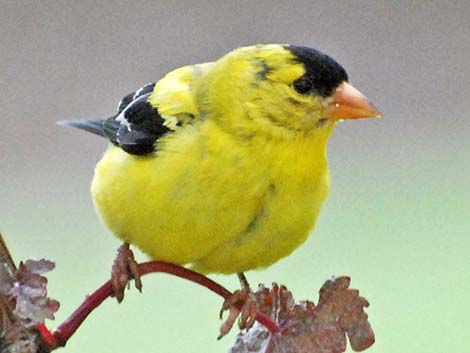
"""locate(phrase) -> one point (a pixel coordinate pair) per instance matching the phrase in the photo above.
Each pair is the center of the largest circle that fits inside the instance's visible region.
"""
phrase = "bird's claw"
(124, 269)
(242, 304)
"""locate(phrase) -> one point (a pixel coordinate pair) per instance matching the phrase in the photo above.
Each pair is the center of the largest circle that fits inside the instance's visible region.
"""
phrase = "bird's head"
(282, 88)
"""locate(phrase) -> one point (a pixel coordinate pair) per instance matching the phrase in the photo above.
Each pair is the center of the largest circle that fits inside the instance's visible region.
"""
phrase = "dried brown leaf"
(23, 302)
(305, 327)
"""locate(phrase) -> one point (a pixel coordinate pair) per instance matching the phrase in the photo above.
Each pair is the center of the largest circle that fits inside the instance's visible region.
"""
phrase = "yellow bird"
(222, 166)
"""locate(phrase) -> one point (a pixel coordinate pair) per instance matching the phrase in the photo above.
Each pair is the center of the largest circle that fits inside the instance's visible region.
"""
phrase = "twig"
(59, 336)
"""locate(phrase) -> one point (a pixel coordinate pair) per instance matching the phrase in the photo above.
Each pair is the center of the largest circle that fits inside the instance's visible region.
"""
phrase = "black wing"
(126, 100)
(135, 128)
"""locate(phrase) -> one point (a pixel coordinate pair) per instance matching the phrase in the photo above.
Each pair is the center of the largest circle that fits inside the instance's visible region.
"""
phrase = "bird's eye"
(303, 85)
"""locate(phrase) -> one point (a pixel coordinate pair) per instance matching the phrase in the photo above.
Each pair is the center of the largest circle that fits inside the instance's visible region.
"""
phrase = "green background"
(398, 216)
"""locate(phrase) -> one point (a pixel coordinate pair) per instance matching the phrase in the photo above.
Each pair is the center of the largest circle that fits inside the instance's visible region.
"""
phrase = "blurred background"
(398, 216)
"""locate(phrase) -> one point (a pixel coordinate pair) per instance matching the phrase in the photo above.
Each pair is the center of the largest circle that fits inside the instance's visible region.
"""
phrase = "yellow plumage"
(210, 205)
(239, 181)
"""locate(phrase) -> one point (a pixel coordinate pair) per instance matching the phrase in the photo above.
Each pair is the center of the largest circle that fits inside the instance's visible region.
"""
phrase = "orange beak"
(346, 102)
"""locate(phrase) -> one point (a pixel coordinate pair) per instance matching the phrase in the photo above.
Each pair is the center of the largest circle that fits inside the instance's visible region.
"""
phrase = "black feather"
(141, 126)
(126, 100)
(110, 129)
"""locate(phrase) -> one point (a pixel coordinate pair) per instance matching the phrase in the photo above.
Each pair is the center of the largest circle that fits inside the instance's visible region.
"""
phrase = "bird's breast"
(210, 200)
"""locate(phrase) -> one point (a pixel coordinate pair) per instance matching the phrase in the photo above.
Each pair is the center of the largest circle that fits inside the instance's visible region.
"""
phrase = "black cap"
(322, 71)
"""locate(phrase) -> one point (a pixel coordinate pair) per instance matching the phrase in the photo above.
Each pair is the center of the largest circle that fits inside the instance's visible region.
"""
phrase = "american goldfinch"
(222, 166)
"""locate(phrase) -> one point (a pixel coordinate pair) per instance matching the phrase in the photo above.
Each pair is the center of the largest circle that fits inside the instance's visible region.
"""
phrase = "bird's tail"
(107, 128)
(95, 126)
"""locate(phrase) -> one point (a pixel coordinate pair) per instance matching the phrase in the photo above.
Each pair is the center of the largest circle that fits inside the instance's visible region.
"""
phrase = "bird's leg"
(243, 281)
(242, 303)
(250, 306)
(124, 269)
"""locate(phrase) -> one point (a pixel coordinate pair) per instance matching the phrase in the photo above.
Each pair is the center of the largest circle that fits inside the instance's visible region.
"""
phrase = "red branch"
(59, 336)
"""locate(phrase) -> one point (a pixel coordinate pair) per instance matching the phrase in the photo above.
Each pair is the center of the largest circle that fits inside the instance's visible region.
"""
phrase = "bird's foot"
(243, 304)
(124, 269)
